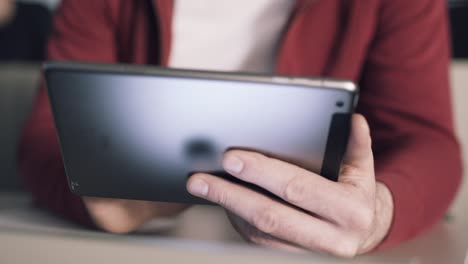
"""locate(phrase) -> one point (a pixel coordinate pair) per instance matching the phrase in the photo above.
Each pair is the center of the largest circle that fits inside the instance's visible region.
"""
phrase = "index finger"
(291, 183)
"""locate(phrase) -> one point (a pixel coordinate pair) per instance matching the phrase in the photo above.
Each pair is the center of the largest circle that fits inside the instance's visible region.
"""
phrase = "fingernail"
(198, 187)
(233, 164)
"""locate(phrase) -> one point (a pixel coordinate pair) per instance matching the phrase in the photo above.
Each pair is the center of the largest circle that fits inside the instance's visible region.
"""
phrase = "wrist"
(383, 218)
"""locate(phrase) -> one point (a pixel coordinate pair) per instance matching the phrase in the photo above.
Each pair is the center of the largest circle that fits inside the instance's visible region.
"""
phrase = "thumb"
(358, 155)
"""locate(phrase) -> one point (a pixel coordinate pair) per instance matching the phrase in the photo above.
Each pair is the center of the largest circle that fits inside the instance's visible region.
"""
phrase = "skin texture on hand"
(344, 218)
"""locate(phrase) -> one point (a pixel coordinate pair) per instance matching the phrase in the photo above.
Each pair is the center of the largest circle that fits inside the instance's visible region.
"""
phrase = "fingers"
(294, 185)
(357, 169)
(308, 190)
(271, 217)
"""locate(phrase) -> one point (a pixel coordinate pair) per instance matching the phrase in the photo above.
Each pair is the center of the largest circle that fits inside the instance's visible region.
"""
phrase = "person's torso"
(323, 38)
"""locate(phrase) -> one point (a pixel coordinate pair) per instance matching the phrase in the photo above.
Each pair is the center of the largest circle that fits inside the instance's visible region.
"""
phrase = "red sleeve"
(406, 99)
(82, 31)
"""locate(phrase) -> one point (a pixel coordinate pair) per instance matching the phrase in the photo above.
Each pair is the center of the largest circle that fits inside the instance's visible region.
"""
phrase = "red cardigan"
(397, 50)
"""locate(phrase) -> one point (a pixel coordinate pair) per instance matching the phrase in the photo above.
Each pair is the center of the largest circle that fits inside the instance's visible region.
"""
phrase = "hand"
(344, 218)
(124, 216)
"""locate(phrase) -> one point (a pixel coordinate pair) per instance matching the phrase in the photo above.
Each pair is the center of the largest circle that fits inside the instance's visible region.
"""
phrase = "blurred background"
(24, 28)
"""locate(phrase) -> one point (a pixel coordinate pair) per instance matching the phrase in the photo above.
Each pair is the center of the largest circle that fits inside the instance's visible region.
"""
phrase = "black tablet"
(138, 132)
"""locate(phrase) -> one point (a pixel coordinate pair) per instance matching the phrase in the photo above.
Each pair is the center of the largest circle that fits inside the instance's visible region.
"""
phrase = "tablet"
(139, 132)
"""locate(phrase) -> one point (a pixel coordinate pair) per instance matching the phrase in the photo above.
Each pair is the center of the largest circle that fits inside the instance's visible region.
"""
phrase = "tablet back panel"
(140, 136)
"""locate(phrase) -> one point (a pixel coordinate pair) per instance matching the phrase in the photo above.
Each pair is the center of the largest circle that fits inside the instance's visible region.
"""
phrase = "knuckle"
(218, 196)
(295, 190)
(266, 221)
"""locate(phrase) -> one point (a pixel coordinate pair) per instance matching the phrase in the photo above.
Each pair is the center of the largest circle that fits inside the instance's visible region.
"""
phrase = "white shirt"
(228, 35)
